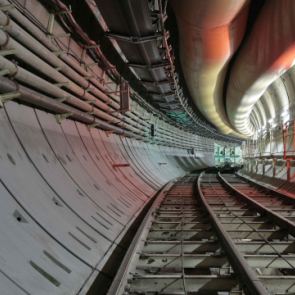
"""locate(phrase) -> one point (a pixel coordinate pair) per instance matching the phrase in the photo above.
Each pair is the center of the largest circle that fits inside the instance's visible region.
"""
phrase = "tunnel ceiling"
(171, 25)
(153, 85)
(276, 96)
(210, 107)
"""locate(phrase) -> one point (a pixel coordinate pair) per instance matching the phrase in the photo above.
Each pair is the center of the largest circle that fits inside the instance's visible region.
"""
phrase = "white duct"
(209, 33)
(268, 53)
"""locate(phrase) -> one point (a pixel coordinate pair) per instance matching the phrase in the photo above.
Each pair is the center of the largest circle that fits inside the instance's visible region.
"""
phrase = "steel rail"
(281, 221)
(246, 276)
(267, 189)
(129, 262)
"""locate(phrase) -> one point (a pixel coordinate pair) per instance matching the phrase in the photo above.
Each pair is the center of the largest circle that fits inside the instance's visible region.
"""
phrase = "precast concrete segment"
(49, 165)
(117, 157)
(153, 167)
(254, 70)
(117, 145)
(39, 200)
(149, 165)
(256, 227)
(137, 161)
(148, 159)
(209, 34)
(134, 166)
(111, 179)
(78, 147)
(88, 183)
(177, 160)
(75, 202)
(26, 245)
(155, 153)
(139, 193)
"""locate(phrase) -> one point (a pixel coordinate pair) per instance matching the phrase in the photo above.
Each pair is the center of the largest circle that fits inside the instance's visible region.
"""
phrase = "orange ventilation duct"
(268, 53)
(209, 33)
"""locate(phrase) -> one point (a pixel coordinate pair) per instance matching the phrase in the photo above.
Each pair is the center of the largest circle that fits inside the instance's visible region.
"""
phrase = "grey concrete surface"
(64, 207)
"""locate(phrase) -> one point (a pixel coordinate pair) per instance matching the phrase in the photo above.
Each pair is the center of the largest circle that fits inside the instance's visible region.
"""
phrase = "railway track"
(204, 236)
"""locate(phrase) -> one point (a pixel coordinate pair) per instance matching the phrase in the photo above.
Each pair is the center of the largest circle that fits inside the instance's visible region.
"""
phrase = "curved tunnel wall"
(64, 208)
(65, 211)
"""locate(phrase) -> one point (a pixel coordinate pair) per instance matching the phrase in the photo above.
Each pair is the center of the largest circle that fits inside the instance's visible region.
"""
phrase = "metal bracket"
(136, 39)
(58, 53)
(51, 20)
(61, 68)
(122, 136)
(61, 84)
(84, 51)
(115, 92)
(58, 36)
(91, 64)
(62, 11)
(5, 52)
(7, 7)
(113, 112)
(92, 113)
(90, 126)
(62, 99)
(89, 77)
(111, 82)
(60, 117)
(149, 67)
(108, 132)
(7, 97)
(92, 46)
(89, 101)
(4, 28)
(169, 81)
(162, 95)
(110, 121)
(8, 71)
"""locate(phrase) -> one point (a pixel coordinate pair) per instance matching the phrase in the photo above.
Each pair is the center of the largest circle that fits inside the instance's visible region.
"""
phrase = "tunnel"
(147, 147)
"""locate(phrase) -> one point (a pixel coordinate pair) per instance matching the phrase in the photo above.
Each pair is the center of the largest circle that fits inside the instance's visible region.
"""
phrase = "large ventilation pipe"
(268, 105)
(267, 54)
(261, 113)
(209, 33)
(289, 82)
